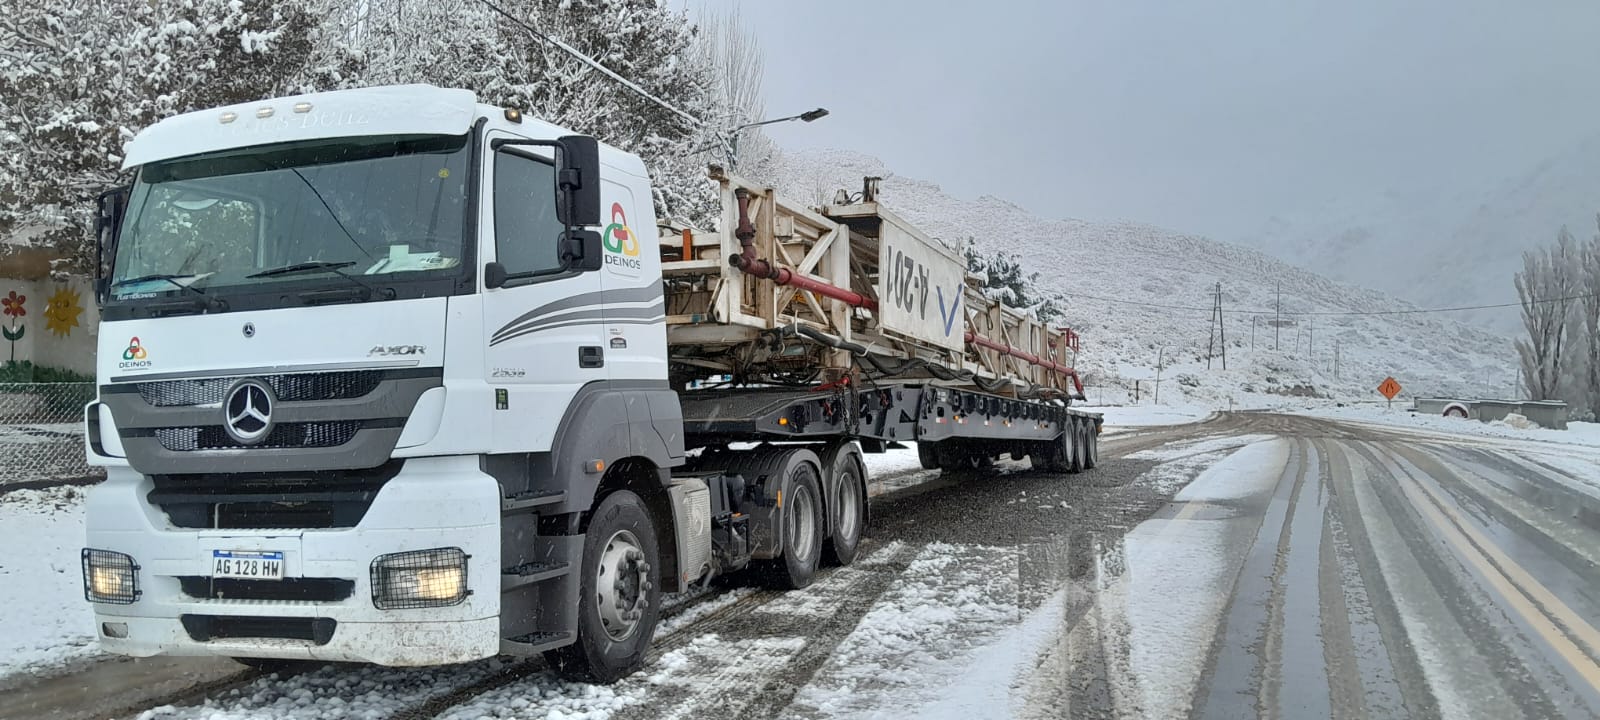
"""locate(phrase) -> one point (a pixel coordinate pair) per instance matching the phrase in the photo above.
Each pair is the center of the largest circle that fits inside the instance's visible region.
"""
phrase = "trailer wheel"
(1075, 438)
(1091, 446)
(847, 503)
(928, 455)
(619, 598)
(801, 516)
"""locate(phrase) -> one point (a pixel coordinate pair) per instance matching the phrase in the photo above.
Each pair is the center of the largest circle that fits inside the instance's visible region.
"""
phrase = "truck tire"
(1075, 437)
(928, 455)
(1091, 446)
(619, 597)
(1049, 456)
(846, 501)
(801, 515)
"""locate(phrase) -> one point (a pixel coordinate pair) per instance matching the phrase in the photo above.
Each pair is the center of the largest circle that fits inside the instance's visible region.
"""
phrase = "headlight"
(419, 579)
(109, 577)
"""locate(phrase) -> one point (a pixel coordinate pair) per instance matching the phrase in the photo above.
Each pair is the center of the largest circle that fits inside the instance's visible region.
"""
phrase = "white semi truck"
(392, 376)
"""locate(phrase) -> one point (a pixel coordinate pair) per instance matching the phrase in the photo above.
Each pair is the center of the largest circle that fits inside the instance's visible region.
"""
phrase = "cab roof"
(386, 110)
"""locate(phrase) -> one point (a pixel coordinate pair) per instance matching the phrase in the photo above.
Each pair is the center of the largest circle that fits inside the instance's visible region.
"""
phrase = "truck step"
(534, 643)
(530, 573)
(531, 499)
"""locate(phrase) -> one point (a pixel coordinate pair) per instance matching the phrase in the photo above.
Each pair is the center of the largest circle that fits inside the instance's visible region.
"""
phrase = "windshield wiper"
(169, 277)
(304, 267)
(337, 268)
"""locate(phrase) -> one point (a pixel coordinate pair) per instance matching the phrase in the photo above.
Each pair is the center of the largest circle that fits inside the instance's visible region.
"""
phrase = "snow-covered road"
(1250, 565)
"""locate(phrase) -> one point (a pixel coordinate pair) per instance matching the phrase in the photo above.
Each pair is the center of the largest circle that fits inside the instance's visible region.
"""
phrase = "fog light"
(419, 579)
(114, 630)
(109, 577)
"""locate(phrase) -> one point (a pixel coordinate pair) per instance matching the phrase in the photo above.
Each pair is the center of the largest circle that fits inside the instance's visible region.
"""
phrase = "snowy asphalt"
(1249, 566)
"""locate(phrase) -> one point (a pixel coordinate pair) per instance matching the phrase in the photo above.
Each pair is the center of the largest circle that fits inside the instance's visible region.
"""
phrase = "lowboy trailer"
(389, 375)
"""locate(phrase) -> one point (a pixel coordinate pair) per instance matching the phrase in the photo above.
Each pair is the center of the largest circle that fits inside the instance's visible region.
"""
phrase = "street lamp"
(733, 135)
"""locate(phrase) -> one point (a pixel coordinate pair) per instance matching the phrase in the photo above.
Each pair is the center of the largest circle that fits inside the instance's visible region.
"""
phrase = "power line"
(1417, 311)
(591, 62)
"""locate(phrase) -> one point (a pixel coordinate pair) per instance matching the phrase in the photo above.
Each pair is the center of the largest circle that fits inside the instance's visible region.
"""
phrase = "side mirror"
(580, 250)
(578, 181)
(110, 207)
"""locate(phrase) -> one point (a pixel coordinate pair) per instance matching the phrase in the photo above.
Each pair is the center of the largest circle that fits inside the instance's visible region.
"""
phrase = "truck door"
(545, 326)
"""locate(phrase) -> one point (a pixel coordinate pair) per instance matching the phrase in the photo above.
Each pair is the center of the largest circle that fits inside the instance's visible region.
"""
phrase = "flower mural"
(12, 306)
(61, 311)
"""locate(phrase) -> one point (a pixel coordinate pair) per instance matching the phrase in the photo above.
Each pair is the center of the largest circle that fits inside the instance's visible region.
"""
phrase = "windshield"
(386, 206)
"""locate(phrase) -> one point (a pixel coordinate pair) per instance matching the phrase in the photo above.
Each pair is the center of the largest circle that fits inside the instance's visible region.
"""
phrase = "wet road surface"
(1305, 568)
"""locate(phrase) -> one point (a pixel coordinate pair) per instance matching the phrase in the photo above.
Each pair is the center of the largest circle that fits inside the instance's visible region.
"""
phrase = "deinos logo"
(621, 245)
(135, 357)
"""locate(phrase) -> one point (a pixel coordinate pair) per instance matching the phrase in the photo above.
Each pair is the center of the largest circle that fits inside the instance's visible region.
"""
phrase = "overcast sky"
(1200, 116)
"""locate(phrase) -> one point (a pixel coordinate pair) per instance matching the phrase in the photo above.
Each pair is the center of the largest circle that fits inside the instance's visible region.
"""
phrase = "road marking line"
(1513, 583)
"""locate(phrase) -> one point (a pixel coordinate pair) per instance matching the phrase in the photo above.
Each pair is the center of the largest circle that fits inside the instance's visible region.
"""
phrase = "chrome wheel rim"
(622, 585)
(849, 508)
(802, 521)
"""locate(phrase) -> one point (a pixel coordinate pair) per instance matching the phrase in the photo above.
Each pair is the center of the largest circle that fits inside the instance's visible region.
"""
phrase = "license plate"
(247, 564)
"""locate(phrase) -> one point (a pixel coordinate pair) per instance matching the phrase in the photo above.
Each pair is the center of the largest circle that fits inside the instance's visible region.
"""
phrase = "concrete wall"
(1551, 414)
(59, 324)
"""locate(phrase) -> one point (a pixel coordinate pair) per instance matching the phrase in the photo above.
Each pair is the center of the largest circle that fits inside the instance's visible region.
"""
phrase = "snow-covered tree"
(737, 65)
(471, 45)
(1006, 280)
(79, 77)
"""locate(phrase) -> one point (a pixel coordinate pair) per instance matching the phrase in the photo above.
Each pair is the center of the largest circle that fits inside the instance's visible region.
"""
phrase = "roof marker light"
(264, 113)
(514, 115)
(229, 117)
(302, 107)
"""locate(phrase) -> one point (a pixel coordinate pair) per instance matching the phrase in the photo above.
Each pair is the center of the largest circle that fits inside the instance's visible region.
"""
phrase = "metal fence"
(41, 432)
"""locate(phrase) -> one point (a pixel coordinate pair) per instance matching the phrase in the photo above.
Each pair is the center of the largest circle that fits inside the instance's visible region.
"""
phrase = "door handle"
(591, 356)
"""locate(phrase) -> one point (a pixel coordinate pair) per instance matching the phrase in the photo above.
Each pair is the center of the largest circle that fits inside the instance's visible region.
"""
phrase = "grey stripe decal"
(607, 313)
(640, 321)
(640, 294)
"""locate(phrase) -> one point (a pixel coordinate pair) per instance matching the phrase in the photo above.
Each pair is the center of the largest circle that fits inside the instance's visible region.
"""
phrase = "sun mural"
(61, 311)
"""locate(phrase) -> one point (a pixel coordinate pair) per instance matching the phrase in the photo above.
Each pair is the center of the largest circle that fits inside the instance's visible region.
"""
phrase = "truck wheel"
(1074, 437)
(1091, 446)
(1049, 456)
(848, 503)
(928, 455)
(801, 516)
(619, 600)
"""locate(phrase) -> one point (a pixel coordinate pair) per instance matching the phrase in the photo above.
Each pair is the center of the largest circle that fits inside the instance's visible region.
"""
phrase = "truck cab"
(367, 361)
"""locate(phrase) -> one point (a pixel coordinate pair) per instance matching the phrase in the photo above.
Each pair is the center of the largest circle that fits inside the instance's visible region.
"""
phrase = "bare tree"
(1589, 310)
(1545, 288)
(734, 55)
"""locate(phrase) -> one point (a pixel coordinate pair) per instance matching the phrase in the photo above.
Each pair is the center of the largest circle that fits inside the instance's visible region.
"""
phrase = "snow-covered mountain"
(1443, 251)
(1104, 268)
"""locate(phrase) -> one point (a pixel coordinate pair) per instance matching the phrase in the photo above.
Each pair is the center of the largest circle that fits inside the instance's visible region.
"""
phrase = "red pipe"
(982, 341)
(752, 264)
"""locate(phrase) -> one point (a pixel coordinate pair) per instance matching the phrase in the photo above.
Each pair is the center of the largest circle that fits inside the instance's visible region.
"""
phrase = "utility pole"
(1218, 331)
(1159, 352)
(1311, 341)
(1277, 316)
(1336, 359)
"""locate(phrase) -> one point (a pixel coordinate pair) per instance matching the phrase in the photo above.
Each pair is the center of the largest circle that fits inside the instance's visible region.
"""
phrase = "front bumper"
(431, 503)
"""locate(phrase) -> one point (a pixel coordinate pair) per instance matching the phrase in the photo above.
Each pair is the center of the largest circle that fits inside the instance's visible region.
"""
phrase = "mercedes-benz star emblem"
(247, 415)
(249, 329)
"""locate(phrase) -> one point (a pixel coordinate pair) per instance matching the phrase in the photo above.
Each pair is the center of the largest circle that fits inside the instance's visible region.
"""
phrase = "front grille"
(302, 589)
(330, 499)
(204, 628)
(297, 387)
(285, 435)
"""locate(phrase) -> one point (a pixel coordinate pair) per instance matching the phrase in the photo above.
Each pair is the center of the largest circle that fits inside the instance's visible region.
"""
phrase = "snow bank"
(45, 621)
(1577, 433)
